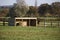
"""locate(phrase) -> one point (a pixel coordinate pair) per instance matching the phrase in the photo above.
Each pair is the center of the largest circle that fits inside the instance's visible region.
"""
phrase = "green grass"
(29, 33)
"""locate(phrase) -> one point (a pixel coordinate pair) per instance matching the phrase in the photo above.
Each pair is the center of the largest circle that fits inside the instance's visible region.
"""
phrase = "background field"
(29, 33)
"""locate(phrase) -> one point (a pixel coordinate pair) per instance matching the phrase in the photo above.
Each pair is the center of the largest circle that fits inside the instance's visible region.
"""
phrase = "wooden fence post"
(51, 23)
(3, 21)
(44, 22)
(58, 24)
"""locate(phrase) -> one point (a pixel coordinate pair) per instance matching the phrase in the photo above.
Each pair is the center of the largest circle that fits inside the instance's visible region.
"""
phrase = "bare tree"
(21, 8)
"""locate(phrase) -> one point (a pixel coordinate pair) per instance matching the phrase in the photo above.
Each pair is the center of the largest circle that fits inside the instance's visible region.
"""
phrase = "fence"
(42, 21)
(49, 21)
(4, 21)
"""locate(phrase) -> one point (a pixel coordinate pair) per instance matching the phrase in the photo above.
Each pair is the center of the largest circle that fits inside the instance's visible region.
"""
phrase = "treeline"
(32, 11)
(4, 11)
(45, 10)
(49, 10)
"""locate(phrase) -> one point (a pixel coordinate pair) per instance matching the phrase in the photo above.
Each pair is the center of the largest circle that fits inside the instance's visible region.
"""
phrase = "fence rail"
(49, 21)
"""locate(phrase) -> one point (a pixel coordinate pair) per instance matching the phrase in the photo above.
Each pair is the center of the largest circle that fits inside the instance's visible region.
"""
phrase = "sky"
(28, 2)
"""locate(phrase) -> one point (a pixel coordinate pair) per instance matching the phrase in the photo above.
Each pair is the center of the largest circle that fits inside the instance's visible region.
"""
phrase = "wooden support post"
(29, 22)
(22, 21)
(36, 22)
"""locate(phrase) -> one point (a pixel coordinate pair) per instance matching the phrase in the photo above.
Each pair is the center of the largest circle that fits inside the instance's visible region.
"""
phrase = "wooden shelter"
(26, 21)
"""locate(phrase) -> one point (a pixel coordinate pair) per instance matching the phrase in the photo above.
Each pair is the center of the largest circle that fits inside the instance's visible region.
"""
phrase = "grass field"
(29, 33)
